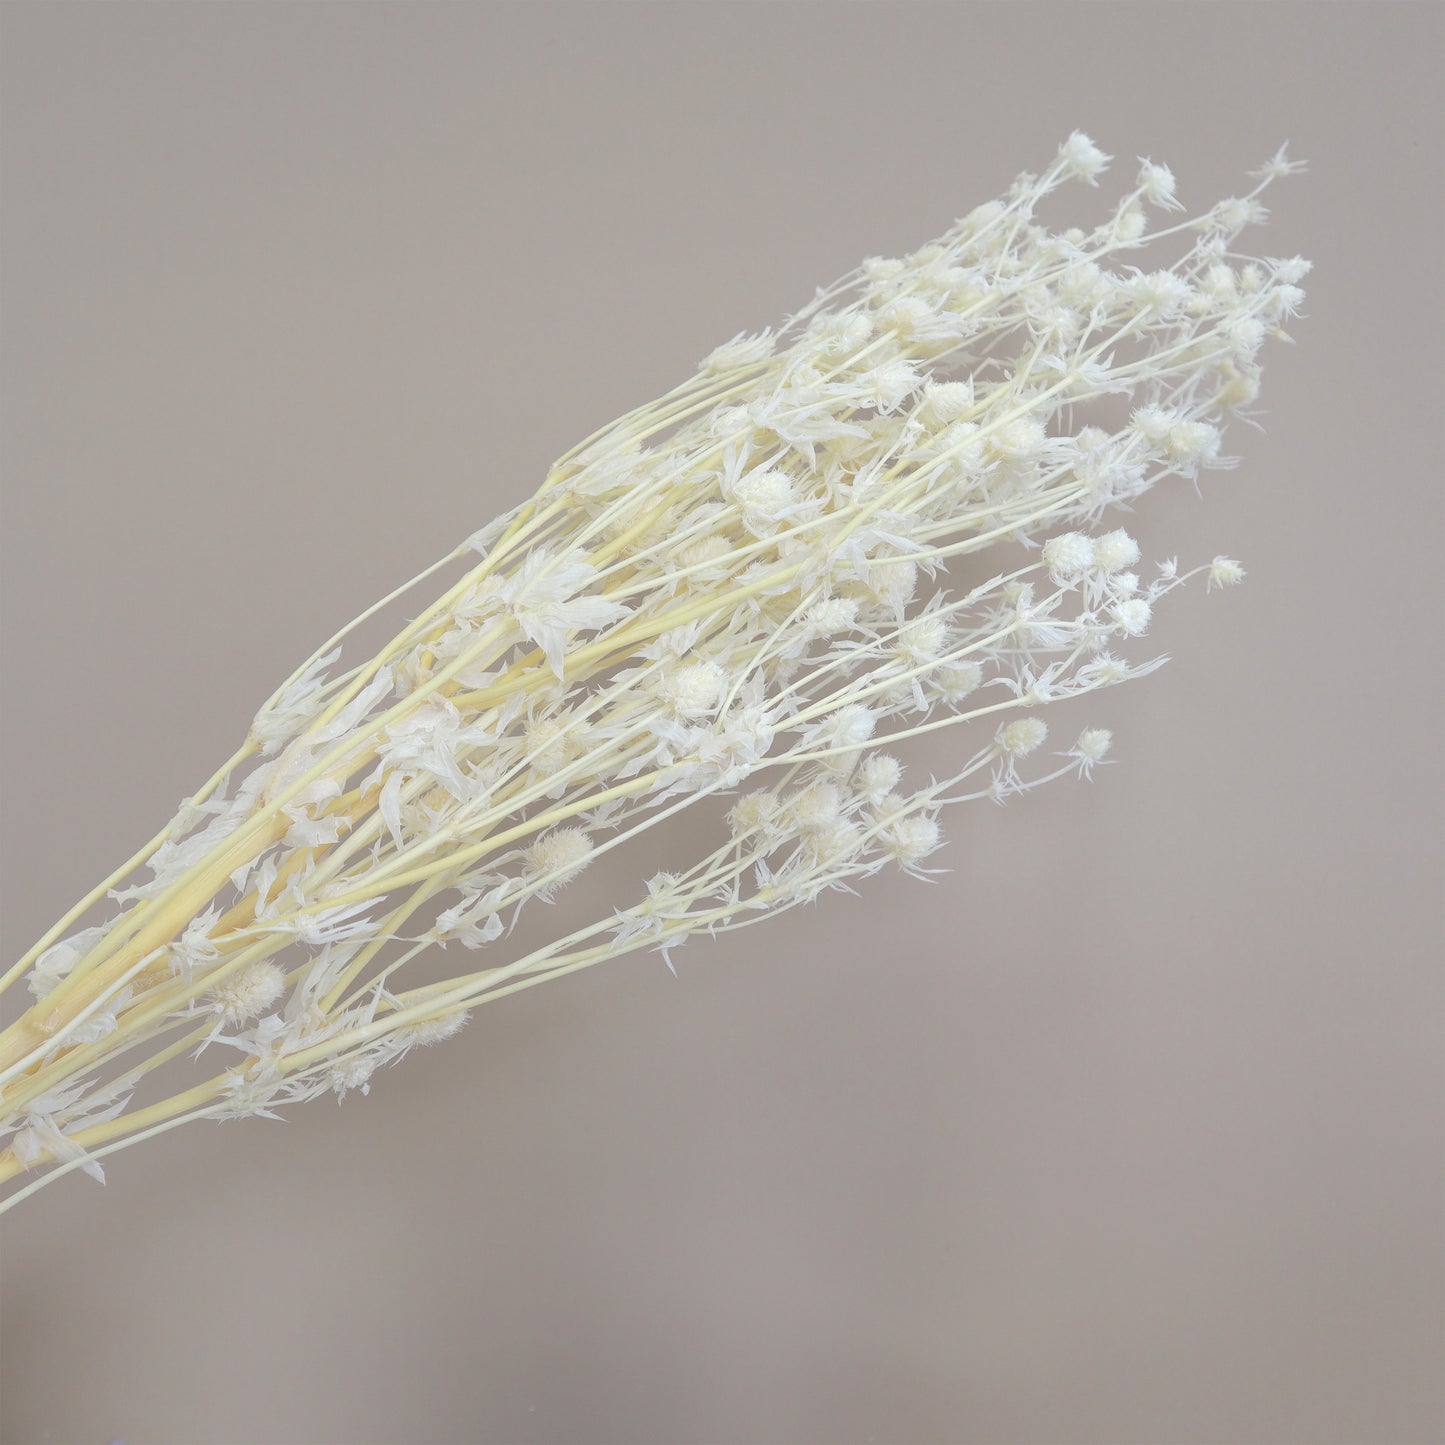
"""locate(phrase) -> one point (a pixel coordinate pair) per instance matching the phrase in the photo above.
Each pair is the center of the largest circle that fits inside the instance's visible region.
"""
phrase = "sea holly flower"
(739, 592)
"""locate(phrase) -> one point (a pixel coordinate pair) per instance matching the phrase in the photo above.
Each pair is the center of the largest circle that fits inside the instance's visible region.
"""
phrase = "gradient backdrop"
(1129, 1130)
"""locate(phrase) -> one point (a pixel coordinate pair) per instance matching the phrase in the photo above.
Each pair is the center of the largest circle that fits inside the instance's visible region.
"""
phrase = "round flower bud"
(831, 615)
(945, 401)
(889, 385)
(752, 813)
(1132, 615)
(548, 747)
(834, 843)
(1080, 159)
(815, 808)
(1157, 183)
(701, 553)
(923, 639)
(1021, 736)
(559, 857)
(1018, 440)
(1094, 743)
(910, 838)
(1224, 572)
(852, 726)
(691, 689)
(893, 581)
(249, 992)
(1114, 551)
(1068, 556)
(764, 495)
(1194, 443)
(956, 680)
(878, 775)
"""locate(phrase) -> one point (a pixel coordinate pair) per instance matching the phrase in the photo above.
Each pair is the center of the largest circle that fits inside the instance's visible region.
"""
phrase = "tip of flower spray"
(1279, 165)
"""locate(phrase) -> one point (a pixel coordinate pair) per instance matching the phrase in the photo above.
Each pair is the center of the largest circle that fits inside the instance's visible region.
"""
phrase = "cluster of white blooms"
(740, 590)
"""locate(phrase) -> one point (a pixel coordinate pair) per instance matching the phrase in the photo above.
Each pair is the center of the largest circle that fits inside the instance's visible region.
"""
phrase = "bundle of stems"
(733, 590)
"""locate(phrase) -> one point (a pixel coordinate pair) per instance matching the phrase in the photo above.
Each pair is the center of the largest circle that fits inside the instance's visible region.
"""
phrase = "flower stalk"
(733, 592)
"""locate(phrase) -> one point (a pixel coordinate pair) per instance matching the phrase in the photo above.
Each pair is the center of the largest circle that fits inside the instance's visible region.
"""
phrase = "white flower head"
(1194, 443)
(1080, 159)
(1115, 551)
(1068, 556)
(889, 385)
(1132, 615)
(1021, 736)
(691, 689)
(248, 992)
(754, 813)
(425, 1032)
(761, 548)
(815, 808)
(1159, 294)
(557, 858)
(351, 1073)
(1157, 183)
(743, 350)
(945, 401)
(767, 497)
(1094, 744)
(878, 775)
(954, 681)
(831, 616)
(1224, 572)
(910, 838)
(1279, 165)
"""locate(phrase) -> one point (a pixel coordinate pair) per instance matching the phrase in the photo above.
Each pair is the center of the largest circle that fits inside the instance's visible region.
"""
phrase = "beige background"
(1129, 1131)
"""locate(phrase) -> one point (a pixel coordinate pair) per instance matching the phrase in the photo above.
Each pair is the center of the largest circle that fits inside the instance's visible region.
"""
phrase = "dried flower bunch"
(733, 590)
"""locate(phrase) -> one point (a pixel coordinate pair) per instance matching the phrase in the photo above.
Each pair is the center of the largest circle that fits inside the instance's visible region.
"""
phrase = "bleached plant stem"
(737, 586)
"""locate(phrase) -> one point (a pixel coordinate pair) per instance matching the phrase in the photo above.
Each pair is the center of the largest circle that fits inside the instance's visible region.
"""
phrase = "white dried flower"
(1018, 440)
(833, 843)
(1160, 294)
(889, 385)
(249, 992)
(1115, 551)
(691, 689)
(1132, 615)
(1090, 750)
(954, 681)
(1157, 184)
(742, 350)
(1080, 159)
(911, 838)
(766, 497)
(1194, 443)
(1068, 556)
(816, 808)
(1022, 735)
(831, 616)
(352, 1073)
(557, 858)
(425, 1032)
(945, 401)
(1224, 572)
(754, 813)
(746, 584)
(878, 775)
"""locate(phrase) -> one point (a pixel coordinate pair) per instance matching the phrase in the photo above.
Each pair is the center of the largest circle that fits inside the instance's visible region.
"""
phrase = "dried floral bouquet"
(731, 591)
